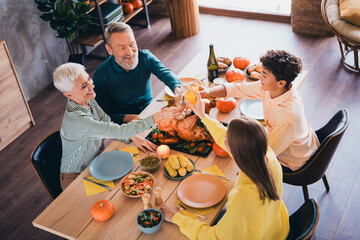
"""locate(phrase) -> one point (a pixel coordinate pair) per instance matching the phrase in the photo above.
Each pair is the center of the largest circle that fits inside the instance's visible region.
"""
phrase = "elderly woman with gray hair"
(85, 124)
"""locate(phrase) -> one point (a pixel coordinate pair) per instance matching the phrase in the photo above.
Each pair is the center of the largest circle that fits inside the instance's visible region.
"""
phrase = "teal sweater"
(119, 92)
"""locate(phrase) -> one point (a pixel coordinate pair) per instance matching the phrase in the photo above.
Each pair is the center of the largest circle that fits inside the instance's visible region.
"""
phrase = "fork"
(186, 209)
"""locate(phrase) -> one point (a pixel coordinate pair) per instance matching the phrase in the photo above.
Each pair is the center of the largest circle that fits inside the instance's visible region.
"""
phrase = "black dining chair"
(304, 221)
(329, 137)
(46, 160)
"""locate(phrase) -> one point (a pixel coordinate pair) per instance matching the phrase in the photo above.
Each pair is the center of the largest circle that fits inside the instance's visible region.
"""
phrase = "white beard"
(128, 66)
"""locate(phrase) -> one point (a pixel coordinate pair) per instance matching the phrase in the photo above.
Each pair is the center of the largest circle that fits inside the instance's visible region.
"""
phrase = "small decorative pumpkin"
(219, 151)
(137, 3)
(226, 105)
(127, 8)
(233, 75)
(102, 210)
(241, 62)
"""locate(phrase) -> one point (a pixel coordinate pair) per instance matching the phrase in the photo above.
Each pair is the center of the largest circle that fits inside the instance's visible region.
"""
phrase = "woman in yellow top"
(254, 209)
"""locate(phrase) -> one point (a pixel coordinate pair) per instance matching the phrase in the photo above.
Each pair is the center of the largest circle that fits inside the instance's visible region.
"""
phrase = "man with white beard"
(123, 85)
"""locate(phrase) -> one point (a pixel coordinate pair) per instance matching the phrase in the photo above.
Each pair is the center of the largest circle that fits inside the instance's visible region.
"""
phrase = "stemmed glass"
(180, 100)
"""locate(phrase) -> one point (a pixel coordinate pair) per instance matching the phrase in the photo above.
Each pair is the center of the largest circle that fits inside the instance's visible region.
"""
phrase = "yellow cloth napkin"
(133, 150)
(166, 97)
(214, 169)
(92, 188)
(262, 122)
(201, 211)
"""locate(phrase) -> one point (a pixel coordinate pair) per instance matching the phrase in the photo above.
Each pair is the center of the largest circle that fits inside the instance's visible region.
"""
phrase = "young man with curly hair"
(290, 135)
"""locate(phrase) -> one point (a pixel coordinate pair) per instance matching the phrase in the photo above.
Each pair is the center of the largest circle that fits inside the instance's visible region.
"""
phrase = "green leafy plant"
(67, 17)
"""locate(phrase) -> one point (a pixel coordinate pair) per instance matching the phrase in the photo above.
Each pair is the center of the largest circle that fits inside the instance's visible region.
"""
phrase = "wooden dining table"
(69, 215)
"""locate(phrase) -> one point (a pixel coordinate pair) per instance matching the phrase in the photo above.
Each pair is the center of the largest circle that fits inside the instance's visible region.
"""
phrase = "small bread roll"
(222, 65)
(227, 61)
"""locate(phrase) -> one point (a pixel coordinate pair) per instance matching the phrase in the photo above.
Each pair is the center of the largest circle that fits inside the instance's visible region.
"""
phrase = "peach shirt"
(290, 135)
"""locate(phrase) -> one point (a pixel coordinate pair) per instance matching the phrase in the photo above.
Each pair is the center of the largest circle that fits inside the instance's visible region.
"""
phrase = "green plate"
(178, 177)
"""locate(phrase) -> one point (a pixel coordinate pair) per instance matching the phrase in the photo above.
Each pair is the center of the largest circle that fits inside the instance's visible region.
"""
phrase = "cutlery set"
(222, 177)
(99, 184)
(181, 207)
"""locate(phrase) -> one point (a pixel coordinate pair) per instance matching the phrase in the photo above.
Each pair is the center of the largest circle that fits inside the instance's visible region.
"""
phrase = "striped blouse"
(83, 130)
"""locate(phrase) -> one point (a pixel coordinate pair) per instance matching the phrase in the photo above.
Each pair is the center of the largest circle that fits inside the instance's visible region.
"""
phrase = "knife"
(182, 207)
(222, 177)
(99, 184)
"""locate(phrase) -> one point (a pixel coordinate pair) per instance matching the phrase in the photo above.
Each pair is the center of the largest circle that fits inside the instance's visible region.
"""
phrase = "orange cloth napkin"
(133, 150)
(214, 169)
(92, 188)
(201, 211)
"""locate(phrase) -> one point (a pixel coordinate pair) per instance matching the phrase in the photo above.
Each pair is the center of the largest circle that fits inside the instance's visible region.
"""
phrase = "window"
(276, 7)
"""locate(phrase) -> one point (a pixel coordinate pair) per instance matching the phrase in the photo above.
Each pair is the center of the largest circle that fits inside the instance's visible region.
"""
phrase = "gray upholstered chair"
(347, 34)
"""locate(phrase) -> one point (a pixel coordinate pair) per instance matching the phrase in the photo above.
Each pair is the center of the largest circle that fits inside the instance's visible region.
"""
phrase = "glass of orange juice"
(190, 95)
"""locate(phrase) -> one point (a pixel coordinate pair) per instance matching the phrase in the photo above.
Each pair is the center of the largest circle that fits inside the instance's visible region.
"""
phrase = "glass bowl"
(150, 162)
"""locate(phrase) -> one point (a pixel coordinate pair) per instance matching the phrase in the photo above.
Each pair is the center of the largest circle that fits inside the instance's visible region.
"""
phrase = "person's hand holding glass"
(180, 100)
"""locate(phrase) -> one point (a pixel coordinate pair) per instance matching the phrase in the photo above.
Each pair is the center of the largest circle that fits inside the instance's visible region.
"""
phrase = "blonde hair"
(66, 74)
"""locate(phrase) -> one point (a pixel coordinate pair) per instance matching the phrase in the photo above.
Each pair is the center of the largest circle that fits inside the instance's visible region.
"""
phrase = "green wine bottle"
(212, 65)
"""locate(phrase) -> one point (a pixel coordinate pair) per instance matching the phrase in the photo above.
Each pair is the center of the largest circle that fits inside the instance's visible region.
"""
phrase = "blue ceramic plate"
(111, 165)
(252, 108)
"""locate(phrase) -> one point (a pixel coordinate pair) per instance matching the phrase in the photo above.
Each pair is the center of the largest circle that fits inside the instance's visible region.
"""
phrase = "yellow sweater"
(246, 217)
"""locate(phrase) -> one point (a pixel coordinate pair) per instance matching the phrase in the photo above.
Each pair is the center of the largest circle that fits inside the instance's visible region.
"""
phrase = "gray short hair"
(118, 27)
(66, 74)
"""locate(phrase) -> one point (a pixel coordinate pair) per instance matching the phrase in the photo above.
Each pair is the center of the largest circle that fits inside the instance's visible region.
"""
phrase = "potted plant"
(67, 17)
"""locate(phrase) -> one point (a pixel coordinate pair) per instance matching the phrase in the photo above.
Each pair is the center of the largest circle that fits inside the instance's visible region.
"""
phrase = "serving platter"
(185, 147)
(111, 165)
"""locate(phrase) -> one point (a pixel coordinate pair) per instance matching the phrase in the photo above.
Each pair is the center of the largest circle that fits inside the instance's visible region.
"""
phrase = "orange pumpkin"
(102, 210)
(127, 8)
(137, 3)
(219, 151)
(234, 75)
(226, 105)
(241, 62)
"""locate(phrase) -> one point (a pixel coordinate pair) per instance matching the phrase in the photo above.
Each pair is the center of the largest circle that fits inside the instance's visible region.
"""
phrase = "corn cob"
(172, 172)
(182, 171)
(174, 162)
(183, 160)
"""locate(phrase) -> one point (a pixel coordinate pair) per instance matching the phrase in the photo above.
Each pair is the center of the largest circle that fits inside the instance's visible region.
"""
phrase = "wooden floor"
(328, 88)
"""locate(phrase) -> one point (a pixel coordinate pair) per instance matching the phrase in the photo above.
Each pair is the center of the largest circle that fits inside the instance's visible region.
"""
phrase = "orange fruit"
(254, 74)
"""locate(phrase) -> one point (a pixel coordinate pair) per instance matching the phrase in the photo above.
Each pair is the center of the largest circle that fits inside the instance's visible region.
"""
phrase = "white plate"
(252, 108)
(169, 92)
(183, 80)
(111, 165)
